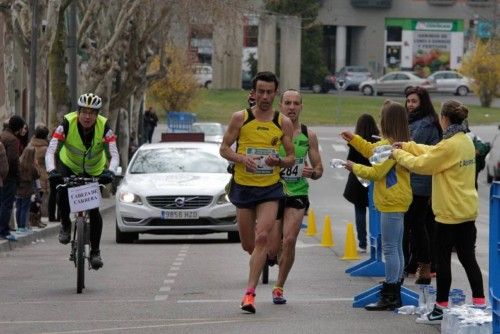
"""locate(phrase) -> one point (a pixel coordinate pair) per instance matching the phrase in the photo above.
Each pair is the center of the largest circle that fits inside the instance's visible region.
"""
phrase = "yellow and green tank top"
(258, 139)
(76, 156)
(296, 185)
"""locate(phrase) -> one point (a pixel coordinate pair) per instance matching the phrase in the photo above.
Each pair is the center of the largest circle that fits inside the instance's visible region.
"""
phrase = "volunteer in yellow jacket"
(392, 197)
(256, 187)
(451, 163)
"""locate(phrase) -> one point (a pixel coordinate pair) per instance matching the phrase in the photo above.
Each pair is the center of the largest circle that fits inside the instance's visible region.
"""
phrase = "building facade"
(421, 35)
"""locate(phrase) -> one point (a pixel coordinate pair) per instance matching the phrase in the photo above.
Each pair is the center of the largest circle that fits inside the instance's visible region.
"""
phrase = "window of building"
(394, 34)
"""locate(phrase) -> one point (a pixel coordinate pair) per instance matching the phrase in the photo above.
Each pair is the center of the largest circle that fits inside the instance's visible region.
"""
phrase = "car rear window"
(177, 160)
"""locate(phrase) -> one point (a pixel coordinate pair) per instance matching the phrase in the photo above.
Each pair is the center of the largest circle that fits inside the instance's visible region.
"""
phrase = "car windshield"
(177, 160)
(209, 129)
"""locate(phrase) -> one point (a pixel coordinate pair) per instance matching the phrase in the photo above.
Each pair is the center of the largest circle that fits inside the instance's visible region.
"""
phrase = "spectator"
(28, 177)
(355, 192)
(150, 123)
(4, 165)
(40, 143)
(10, 139)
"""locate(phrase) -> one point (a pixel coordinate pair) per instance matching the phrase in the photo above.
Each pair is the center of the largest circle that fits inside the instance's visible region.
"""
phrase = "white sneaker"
(433, 318)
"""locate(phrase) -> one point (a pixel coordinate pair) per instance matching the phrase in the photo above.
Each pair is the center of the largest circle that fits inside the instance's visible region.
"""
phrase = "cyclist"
(80, 142)
(294, 205)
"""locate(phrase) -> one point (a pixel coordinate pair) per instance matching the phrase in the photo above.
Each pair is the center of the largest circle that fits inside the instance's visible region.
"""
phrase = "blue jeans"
(22, 211)
(392, 228)
(360, 214)
(7, 196)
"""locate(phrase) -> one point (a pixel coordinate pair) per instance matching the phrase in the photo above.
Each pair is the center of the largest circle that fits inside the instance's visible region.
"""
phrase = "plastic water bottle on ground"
(423, 292)
(337, 163)
(407, 309)
(380, 157)
(431, 298)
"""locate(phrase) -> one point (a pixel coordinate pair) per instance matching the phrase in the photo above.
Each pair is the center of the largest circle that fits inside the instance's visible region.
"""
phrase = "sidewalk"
(39, 234)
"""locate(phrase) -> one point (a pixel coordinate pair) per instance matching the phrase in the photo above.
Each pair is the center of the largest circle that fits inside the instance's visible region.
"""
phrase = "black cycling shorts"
(296, 202)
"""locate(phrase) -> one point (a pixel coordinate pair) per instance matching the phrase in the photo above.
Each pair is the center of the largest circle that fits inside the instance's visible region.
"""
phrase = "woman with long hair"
(419, 220)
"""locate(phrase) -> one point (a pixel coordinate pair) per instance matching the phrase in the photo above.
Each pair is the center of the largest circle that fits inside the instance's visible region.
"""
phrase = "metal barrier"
(375, 266)
(180, 121)
(494, 281)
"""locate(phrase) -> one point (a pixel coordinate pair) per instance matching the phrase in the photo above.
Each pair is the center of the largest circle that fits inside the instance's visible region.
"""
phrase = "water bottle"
(431, 298)
(337, 163)
(407, 309)
(364, 182)
(380, 157)
(382, 148)
(422, 298)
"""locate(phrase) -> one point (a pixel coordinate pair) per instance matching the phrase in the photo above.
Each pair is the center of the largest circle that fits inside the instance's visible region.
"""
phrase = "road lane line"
(161, 297)
(165, 288)
(169, 281)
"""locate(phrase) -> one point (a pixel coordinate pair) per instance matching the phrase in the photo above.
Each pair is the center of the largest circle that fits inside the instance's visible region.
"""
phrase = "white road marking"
(172, 274)
(161, 297)
(121, 329)
(301, 244)
(165, 289)
(174, 268)
(168, 281)
(319, 300)
(177, 263)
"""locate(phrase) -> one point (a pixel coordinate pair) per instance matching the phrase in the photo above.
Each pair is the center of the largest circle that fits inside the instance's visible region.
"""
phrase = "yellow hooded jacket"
(451, 163)
(392, 191)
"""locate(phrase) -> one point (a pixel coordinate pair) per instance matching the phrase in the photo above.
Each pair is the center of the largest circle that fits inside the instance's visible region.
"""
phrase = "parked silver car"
(394, 82)
(213, 131)
(450, 82)
(493, 160)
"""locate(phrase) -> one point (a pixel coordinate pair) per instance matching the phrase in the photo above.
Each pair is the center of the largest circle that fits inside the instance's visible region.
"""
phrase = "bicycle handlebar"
(73, 181)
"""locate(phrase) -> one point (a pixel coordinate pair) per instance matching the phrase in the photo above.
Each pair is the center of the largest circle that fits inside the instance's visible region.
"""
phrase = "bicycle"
(80, 242)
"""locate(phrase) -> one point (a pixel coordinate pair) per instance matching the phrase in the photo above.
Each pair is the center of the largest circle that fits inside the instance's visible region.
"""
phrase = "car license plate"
(179, 214)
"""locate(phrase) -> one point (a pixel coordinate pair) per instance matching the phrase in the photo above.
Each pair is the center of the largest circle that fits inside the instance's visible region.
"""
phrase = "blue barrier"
(180, 121)
(494, 282)
(375, 265)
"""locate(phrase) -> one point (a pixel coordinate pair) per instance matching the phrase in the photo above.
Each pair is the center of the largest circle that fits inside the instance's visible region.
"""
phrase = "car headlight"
(128, 197)
(223, 199)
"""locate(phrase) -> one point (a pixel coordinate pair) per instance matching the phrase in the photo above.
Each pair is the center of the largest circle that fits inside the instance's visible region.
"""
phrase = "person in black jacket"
(355, 192)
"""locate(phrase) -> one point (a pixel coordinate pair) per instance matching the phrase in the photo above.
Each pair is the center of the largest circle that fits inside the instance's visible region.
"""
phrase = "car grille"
(179, 202)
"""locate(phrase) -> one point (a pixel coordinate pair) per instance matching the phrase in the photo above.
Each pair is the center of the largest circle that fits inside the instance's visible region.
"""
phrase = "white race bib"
(259, 155)
(293, 173)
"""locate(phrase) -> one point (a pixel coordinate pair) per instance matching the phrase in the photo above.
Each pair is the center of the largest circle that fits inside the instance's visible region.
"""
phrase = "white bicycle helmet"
(90, 100)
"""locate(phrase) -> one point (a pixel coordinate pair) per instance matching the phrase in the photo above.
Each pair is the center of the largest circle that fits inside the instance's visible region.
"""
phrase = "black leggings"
(463, 237)
(417, 237)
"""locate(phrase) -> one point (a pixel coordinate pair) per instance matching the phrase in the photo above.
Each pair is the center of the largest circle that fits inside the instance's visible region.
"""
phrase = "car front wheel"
(125, 237)
(462, 91)
(367, 90)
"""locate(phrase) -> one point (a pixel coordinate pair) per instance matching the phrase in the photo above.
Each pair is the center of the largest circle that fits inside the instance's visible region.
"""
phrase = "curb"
(50, 230)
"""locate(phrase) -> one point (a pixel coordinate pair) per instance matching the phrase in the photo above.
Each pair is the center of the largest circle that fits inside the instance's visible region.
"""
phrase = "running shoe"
(278, 296)
(248, 303)
(434, 317)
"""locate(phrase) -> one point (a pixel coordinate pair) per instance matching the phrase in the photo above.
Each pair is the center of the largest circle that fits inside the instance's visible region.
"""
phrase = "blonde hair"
(455, 111)
(394, 122)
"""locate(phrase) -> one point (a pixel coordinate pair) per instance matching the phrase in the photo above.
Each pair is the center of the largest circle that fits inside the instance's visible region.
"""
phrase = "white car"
(493, 160)
(213, 131)
(450, 82)
(175, 188)
(394, 82)
(203, 75)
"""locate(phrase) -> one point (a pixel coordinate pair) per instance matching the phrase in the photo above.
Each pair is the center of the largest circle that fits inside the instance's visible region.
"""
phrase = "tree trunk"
(9, 68)
(123, 138)
(485, 97)
(58, 78)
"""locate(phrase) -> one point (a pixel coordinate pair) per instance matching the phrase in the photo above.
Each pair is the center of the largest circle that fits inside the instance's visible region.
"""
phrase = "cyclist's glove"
(55, 177)
(106, 177)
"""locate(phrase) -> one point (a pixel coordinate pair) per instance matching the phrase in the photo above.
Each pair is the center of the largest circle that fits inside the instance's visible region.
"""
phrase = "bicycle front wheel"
(80, 254)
